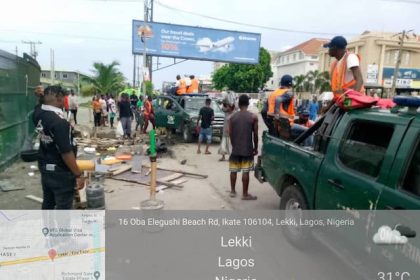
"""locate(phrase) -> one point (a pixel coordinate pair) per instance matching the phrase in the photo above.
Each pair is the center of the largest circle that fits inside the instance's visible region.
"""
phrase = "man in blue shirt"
(313, 109)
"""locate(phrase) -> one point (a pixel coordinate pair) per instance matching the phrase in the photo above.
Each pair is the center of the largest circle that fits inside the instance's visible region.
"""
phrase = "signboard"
(199, 43)
(407, 77)
(372, 74)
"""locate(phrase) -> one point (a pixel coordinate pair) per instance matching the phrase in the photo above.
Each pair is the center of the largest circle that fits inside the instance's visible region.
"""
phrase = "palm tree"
(107, 78)
(317, 81)
(299, 83)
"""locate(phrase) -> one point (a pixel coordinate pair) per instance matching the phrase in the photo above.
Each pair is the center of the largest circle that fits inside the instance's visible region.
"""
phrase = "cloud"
(388, 236)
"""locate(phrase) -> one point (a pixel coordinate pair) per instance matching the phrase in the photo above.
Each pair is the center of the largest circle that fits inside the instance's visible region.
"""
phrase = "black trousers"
(74, 112)
(58, 189)
(269, 123)
(97, 119)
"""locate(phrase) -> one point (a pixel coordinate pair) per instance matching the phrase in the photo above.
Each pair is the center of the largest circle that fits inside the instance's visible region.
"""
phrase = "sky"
(82, 32)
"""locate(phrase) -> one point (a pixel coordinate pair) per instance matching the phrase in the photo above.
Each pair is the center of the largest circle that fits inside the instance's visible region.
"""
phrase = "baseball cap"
(286, 81)
(338, 41)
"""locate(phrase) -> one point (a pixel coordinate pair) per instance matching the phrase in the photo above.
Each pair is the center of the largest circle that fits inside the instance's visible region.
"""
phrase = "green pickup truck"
(180, 113)
(364, 162)
(361, 159)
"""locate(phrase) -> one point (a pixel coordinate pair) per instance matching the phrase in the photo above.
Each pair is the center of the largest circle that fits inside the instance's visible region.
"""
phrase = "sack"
(119, 132)
(352, 99)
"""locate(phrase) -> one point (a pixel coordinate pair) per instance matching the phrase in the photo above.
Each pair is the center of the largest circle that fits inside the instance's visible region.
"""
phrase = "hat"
(286, 81)
(304, 112)
(338, 41)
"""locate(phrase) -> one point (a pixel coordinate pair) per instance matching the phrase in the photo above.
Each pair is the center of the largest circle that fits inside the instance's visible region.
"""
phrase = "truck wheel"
(293, 203)
(186, 134)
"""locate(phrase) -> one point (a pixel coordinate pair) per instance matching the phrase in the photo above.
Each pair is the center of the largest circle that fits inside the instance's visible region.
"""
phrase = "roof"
(312, 46)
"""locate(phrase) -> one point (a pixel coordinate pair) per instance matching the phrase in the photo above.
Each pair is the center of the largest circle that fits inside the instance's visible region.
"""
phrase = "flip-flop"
(231, 194)
(249, 197)
(207, 153)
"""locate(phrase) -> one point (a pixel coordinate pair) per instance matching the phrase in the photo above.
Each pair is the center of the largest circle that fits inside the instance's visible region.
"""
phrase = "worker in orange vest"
(193, 87)
(181, 85)
(270, 109)
(345, 70)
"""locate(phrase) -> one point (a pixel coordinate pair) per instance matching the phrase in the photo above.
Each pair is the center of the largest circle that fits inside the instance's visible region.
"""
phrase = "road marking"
(59, 256)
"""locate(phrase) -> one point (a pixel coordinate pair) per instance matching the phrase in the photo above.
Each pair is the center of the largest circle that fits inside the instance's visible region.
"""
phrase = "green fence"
(18, 78)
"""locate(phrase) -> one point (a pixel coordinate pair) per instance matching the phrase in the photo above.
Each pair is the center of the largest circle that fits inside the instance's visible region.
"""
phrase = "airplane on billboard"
(223, 45)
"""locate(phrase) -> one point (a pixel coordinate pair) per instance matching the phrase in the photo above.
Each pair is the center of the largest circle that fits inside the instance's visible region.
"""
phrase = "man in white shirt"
(345, 70)
(73, 105)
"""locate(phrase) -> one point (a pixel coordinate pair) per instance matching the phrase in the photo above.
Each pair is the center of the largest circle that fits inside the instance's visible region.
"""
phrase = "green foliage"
(107, 78)
(149, 88)
(87, 90)
(244, 77)
(314, 82)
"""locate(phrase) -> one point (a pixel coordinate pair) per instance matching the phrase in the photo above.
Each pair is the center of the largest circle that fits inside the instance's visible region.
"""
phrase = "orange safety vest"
(272, 99)
(193, 88)
(182, 89)
(290, 113)
(338, 77)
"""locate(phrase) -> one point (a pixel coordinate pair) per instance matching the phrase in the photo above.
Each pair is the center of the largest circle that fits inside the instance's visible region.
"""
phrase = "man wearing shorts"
(243, 132)
(206, 116)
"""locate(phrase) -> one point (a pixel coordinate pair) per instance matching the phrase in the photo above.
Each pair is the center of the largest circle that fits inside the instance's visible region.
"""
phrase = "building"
(68, 79)
(379, 52)
(295, 61)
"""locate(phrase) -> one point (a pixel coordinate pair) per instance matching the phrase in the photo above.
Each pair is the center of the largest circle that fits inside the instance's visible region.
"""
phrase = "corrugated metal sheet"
(18, 79)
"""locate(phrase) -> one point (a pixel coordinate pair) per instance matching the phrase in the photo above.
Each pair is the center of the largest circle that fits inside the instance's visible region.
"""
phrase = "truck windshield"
(197, 104)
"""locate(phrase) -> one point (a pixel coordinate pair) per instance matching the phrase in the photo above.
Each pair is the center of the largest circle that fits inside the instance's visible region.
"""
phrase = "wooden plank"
(122, 169)
(180, 171)
(34, 198)
(179, 181)
(171, 177)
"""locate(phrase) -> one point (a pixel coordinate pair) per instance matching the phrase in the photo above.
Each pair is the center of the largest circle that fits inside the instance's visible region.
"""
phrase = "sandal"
(232, 194)
(249, 197)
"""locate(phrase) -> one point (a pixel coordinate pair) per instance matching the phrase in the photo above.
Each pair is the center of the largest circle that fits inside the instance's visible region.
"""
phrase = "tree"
(244, 77)
(314, 82)
(107, 78)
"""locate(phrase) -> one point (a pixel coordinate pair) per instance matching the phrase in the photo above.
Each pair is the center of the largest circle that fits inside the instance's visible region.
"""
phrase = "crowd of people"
(57, 155)
(126, 108)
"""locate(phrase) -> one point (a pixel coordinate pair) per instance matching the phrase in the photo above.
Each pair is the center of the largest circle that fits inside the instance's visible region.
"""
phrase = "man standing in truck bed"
(243, 132)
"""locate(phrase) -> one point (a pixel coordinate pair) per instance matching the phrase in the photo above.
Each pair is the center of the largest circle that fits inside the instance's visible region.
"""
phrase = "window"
(314, 57)
(43, 75)
(364, 148)
(388, 57)
(412, 179)
(395, 57)
(407, 59)
(301, 55)
(294, 57)
(65, 76)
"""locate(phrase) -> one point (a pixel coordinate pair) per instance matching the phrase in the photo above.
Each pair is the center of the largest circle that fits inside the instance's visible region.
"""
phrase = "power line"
(67, 35)
(403, 1)
(248, 24)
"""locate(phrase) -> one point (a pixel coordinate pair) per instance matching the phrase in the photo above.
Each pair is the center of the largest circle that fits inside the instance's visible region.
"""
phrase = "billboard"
(199, 43)
(407, 77)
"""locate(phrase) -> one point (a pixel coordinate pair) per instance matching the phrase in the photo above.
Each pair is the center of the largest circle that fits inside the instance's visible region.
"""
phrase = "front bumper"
(258, 171)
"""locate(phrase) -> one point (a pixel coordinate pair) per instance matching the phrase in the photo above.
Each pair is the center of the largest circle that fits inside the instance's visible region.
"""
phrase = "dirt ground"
(201, 194)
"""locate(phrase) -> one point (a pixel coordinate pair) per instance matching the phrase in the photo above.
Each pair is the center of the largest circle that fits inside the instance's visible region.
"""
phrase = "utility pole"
(32, 45)
(404, 35)
(148, 17)
(144, 35)
(134, 70)
(52, 70)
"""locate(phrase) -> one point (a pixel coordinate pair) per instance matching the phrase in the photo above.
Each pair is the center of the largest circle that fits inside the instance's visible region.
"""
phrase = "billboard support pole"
(146, 7)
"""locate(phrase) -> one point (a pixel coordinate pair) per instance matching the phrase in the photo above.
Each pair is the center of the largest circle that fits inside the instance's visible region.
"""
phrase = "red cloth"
(384, 103)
